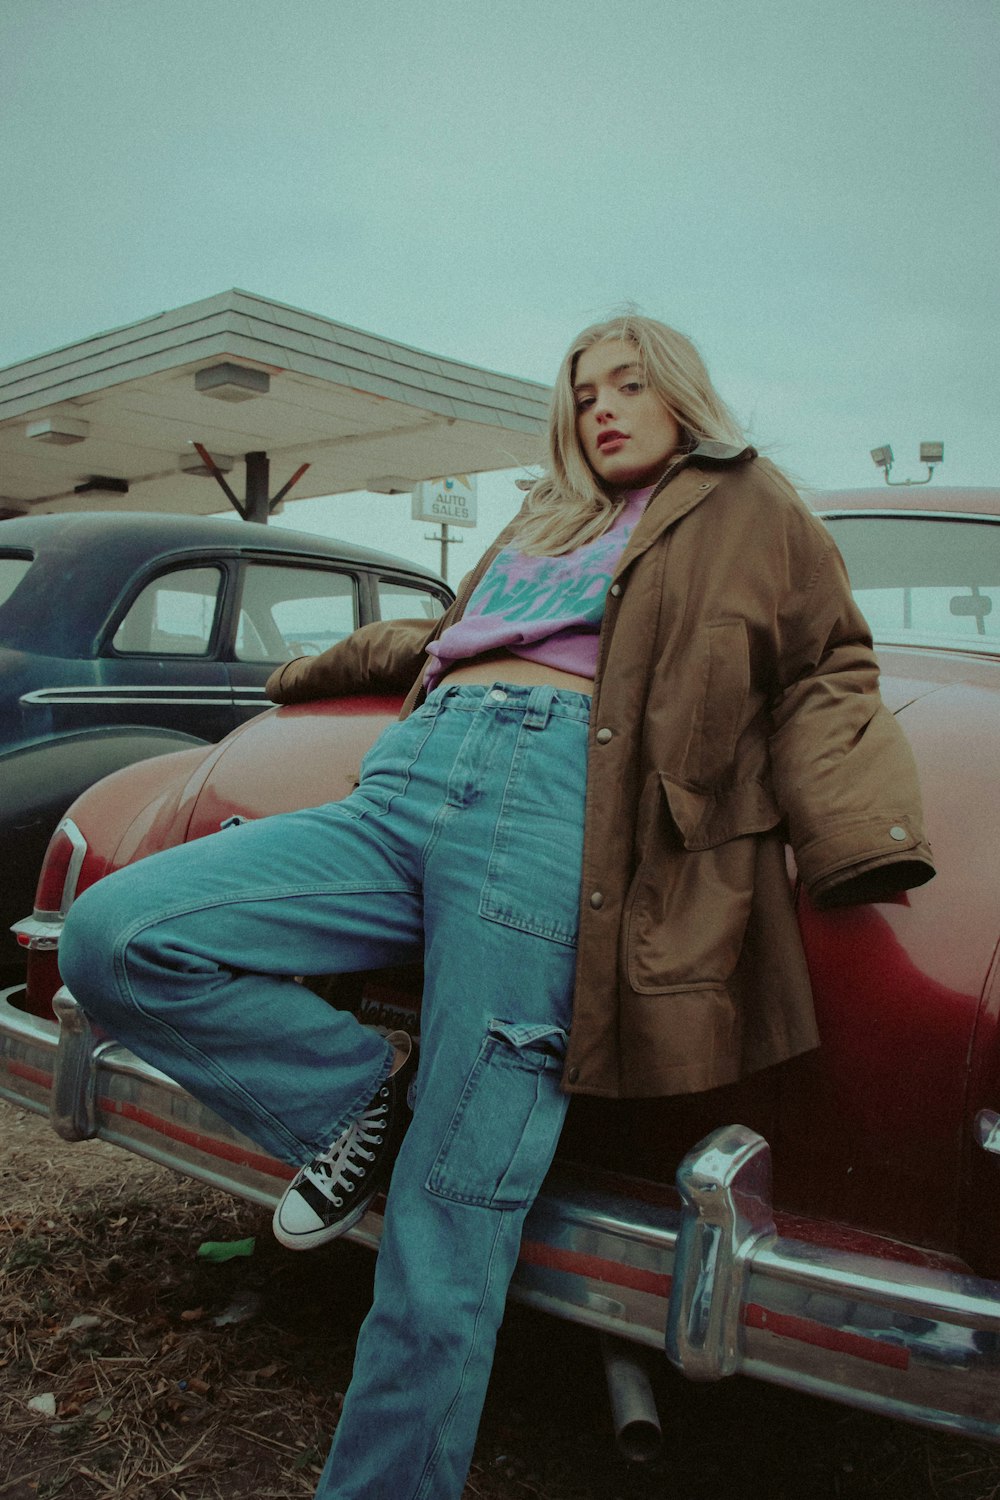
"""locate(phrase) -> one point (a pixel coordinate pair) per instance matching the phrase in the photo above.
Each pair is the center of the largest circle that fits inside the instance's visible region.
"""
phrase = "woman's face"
(627, 434)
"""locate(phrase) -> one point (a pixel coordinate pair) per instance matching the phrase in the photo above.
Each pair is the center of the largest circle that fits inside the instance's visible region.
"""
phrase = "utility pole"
(447, 503)
(446, 542)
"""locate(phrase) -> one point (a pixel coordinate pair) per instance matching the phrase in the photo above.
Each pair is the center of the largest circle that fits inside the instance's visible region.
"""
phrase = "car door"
(158, 663)
(285, 609)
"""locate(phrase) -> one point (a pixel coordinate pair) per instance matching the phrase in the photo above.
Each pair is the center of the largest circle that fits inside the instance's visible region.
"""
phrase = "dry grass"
(176, 1379)
(165, 1380)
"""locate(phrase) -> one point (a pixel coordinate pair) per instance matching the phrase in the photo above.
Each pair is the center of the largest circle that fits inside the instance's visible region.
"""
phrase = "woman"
(656, 667)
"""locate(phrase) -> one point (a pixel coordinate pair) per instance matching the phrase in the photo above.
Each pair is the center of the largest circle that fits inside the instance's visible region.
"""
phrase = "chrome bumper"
(706, 1272)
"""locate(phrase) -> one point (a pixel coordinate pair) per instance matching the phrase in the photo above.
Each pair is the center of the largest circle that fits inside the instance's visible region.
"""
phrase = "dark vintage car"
(830, 1225)
(124, 636)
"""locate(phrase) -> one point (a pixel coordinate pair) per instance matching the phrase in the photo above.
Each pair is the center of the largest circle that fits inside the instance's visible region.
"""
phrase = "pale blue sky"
(807, 189)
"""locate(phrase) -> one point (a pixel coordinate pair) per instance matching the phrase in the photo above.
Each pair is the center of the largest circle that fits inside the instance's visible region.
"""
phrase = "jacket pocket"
(705, 819)
(502, 1136)
(690, 900)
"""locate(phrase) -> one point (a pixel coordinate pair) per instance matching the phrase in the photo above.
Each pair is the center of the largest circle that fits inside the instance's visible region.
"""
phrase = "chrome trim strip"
(42, 933)
(895, 1337)
(159, 695)
(892, 513)
(978, 645)
(79, 843)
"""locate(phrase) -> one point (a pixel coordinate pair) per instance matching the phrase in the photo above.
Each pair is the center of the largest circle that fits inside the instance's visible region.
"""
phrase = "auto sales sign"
(449, 501)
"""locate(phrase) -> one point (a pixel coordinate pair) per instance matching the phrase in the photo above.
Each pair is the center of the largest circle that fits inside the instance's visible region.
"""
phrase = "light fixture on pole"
(931, 454)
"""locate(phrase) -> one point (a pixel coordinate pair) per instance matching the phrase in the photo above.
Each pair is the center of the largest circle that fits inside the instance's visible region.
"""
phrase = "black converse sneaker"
(332, 1192)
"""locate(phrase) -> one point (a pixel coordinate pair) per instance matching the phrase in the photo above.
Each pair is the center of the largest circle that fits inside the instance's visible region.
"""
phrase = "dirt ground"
(133, 1368)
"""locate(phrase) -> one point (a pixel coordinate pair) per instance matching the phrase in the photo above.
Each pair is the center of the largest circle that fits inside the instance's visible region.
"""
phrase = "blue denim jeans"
(462, 845)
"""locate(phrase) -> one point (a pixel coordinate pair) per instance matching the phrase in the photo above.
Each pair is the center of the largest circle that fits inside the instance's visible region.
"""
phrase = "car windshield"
(923, 579)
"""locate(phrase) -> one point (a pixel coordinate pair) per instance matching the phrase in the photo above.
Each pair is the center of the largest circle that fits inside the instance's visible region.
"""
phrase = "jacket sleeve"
(385, 656)
(844, 774)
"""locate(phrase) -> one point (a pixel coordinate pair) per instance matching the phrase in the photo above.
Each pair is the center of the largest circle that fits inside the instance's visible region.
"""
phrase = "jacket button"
(897, 833)
(597, 900)
(615, 590)
(573, 1074)
(603, 735)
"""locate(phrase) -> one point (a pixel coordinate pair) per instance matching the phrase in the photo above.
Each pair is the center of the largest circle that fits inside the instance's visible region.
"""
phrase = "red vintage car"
(830, 1225)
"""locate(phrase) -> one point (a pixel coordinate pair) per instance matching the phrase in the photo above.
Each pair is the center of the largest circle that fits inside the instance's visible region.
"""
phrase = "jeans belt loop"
(539, 706)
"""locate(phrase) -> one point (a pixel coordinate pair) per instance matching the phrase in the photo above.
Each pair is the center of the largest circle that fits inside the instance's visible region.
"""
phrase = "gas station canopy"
(262, 390)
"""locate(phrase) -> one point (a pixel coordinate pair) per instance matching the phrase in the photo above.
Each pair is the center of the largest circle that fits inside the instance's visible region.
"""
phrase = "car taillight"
(56, 889)
(54, 895)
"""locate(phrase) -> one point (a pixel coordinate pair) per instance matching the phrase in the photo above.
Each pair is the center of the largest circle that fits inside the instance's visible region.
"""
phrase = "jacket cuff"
(869, 859)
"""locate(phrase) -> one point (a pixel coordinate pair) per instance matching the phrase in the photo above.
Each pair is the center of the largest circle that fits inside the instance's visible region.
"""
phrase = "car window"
(288, 611)
(406, 601)
(173, 615)
(12, 570)
(923, 579)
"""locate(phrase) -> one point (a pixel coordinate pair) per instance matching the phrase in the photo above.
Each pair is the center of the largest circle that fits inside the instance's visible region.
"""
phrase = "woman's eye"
(633, 386)
(582, 402)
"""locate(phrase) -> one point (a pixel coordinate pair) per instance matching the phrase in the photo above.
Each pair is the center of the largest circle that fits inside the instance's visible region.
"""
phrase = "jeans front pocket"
(385, 769)
(503, 1134)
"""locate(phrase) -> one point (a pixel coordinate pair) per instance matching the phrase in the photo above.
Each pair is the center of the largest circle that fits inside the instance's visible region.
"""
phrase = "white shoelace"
(343, 1166)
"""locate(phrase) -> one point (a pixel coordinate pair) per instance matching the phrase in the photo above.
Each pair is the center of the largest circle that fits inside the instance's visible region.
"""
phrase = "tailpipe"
(633, 1410)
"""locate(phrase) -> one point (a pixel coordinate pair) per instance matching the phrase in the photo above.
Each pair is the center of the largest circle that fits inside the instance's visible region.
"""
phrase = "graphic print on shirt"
(546, 609)
(557, 589)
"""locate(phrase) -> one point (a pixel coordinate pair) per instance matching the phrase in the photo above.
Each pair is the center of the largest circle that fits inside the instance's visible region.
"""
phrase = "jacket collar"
(685, 484)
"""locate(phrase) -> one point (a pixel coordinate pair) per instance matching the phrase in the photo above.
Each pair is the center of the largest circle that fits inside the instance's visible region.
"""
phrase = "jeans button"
(498, 695)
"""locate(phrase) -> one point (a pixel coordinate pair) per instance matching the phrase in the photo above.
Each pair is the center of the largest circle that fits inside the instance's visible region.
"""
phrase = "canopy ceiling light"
(60, 430)
(229, 382)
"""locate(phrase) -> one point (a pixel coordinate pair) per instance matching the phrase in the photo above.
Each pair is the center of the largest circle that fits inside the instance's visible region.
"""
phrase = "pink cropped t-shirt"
(546, 609)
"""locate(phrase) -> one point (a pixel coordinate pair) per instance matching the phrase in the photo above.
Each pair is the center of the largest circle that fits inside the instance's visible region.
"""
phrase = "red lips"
(611, 436)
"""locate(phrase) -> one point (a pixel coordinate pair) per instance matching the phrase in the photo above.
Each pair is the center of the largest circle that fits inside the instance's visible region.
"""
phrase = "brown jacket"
(735, 705)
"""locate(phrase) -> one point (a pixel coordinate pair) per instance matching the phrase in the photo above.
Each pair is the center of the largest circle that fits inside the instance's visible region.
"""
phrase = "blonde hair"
(568, 506)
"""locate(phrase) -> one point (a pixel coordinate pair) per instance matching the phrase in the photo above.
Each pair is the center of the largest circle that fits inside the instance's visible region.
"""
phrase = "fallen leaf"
(81, 1322)
(222, 1250)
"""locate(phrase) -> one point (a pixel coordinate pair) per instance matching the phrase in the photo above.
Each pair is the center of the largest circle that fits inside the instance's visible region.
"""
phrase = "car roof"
(144, 534)
(82, 563)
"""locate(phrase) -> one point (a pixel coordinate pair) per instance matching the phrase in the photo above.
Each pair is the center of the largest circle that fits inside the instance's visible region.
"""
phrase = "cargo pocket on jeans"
(503, 1133)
